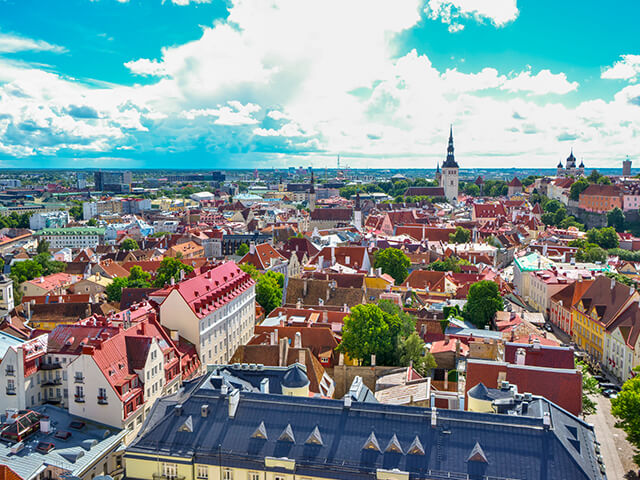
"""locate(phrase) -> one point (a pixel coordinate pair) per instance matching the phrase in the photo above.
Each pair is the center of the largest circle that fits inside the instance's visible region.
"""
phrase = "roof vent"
(314, 437)
(371, 443)
(204, 410)
(546, 420)
(260, 432)
(287, 435)
(177, 410)
(394, 445)
(347, 402)
(416, 447)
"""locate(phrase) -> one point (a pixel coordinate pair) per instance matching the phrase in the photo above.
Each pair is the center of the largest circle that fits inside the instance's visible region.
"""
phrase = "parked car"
(610, 393)
(600, 378)
(609, 386)
(548, 327)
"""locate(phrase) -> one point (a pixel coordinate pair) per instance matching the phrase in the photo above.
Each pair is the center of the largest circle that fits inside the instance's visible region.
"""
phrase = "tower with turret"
(357, 212)
(449, 175)
(312, 194)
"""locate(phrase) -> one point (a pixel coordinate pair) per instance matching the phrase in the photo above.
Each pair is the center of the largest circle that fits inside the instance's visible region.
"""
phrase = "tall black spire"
(312, 189)
(357, 200)
(450, 162)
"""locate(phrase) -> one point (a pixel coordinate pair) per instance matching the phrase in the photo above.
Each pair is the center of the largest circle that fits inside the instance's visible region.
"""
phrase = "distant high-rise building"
(626, 168)
(112, 181)
(81, 180)
(449, 176)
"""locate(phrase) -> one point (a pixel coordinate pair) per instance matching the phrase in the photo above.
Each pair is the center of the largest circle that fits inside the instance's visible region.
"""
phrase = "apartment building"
(214, 310)
(72, 237)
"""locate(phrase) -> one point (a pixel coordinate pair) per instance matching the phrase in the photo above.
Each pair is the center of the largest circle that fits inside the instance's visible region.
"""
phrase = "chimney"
(275, 336)
(283, 349)
(204, 410)
(320, 263)
(520, 356)
(299, 304)
(45, 424)
(177, 410)
(172, 281)
(304, 287)
(234, 400)
(373, 359)
(264, 385)
(434, 417)
(252, 248)
(613, 284)
(546, 420)
(341, 359)
(347, 402)
(302, 357)
(298, 340)
(325, 316)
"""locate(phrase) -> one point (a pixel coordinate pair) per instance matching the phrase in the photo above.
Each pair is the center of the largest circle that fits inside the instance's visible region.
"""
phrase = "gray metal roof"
(515, 446)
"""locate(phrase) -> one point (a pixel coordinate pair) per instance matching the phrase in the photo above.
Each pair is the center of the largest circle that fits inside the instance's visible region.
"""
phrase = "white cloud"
(233, 114)
(146, 67)
(187, 2)
(626, 69)
(15, 43)
(542, 83)
(498, 12)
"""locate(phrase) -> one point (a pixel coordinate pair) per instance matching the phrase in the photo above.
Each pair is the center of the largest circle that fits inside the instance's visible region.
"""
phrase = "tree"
(412, 349)
(170, 268)
(626, 407)
(76, 212)
(269, 291)
(591, 253)
(365, 333)
(577, 188)
(483, 301)
(129, 244)
(471, 189)
(43, 246)
(242, 250)
(608, 238)
(615, 219)
(393, 262)
(461, 235)
(138, 278)
(589, 387)
(114, 289)
(251, 270)
(449, 264)
(92, 222)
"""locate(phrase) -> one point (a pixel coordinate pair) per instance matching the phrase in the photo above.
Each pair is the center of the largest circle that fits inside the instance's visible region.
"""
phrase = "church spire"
(358, 200)
(312, 189)
(450, 162)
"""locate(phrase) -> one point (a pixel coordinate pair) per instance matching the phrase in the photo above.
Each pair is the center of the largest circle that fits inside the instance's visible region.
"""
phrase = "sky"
(213, 84)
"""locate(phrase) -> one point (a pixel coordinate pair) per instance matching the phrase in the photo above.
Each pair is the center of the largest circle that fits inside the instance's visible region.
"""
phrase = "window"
(254, 476)
(203, 471)
(11, 386)
(170, 470)
(79, 378)
(79, 393)
(227, 474)
(102, 395)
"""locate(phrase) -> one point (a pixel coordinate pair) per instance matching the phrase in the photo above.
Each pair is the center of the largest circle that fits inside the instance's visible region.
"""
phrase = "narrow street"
(616, 451)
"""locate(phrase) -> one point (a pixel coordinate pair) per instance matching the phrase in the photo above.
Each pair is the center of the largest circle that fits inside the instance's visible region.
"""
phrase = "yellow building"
(599, 307)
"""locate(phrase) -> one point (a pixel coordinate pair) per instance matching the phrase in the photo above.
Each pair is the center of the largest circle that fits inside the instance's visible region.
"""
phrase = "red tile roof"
(261, 257)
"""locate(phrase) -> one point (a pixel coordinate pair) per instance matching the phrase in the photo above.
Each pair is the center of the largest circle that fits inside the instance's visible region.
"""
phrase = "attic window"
(314, 437)
(287, 435)
(394, 445)
(261, 432)
(371, 443)
(416, 447)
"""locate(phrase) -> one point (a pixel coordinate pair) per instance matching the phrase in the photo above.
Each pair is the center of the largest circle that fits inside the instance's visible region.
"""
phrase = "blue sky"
(275, 83)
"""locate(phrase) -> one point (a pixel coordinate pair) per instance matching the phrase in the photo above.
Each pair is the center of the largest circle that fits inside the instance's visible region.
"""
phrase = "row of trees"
(594, 247)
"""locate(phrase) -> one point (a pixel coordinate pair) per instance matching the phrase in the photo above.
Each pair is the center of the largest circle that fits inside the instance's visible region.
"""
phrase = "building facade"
(449, 175)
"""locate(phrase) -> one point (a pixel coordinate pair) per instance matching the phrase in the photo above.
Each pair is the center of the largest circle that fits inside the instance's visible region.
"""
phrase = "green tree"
(393, 262)
(76, 212)
(461, 235)
(43, 246)
(589, 387)
(114, 289)
(483, 301)
(242, 250)
(552, 206)
(615, 219)
(269, 292)
(138, 278)
(577, 188)
(626, 408)
(251, 270)
(129, 244)
(594, 176)
(471, 189)
(170, 268)
(591, 253)
(449, 264)
(92, 222)
(412, 350)
(608, 238)
(366, 332)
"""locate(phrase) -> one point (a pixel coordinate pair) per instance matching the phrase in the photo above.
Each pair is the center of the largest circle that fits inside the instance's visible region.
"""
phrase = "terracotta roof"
(332, 214)
(322, 289)
(301, 244)
(349, 256)
(422, 232)
(571, 294)
(489, 210)
(421, 279)
(53, 281)
(7, 474)
(442, 346)
(344, 280)
(425, 191)
(261, 258)
(541, 355)
(596, 190)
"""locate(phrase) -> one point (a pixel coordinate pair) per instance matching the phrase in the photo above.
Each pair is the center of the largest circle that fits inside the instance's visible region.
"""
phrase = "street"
(616, 451)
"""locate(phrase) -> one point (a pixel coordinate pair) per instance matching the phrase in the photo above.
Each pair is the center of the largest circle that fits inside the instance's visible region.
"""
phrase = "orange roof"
(53, 281)
(261, 258)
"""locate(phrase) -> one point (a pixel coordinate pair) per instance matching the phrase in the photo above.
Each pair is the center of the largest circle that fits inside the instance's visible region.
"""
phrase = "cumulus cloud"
(542, 83)
(498, 12)
(245, 87)
(628, 68)
(187, 2)
(15, 43)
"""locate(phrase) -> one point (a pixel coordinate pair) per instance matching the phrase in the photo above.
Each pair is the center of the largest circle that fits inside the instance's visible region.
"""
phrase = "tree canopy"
(615, 219)
(461, 235)
(626, 407)
(483, 301)
(170, 268)
(242, 250)
(393, 262)
(269, 290)
(129, 244)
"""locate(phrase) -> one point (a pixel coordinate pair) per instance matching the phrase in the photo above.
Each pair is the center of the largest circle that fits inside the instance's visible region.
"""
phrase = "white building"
(73, 237)
(214, 310)
(41, 220)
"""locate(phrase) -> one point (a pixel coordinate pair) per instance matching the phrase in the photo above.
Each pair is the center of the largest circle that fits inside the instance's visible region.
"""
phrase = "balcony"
(79, 398)
(11, 391)
(77, 379)
(102, 400)
(10, 372)
(50, 366)
(52, 382)
(53, 399)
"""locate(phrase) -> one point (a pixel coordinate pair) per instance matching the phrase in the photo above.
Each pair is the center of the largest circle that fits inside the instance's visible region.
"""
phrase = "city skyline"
(254, 84)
